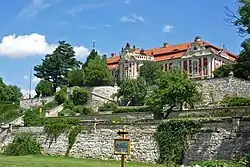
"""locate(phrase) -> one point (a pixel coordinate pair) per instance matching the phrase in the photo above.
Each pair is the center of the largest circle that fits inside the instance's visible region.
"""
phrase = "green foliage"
(80, 96)
(76, 77)
(173, 89)
(55, 66)
(241, 19)
(67, 112)
(244, 55)
(50, 105)
(240, 70)
(75, 130)
(34, 118)
(83, 110)
(132, 109)
(53, 131)
(110, 106)
(9, 92)
(23, 144)
(240, 163)
(232, 101)
(8, 111)
(68, 104)
(97, 73)
(61, 96)
(44, 88)
(149, 70)
(133, 91)
(171, 138)
(92, 56)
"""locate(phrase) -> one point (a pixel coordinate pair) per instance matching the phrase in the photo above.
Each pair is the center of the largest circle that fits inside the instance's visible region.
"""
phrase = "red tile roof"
(170, 52)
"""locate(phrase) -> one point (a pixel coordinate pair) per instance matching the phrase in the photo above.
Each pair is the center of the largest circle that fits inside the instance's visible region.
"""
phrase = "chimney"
(197, 39)
(165, 44)
(112, 54)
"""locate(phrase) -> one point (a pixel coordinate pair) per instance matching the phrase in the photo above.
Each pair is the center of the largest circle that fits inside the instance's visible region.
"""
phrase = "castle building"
(199, 58)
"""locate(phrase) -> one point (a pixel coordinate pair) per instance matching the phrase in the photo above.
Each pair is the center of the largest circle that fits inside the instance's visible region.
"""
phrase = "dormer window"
(195, 48)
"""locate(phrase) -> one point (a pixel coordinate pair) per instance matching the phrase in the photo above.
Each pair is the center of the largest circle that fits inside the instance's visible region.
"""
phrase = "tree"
(173, 89)
(44, 88)
(9, 92)
(92, 56)
(245, 53)
(133, 91)
(97, 73)
(55, 66)
(241, 18)
(149, 70)
(76, 77)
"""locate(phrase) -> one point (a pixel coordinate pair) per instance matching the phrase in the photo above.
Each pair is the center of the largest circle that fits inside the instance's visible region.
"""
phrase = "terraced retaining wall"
(224, 139)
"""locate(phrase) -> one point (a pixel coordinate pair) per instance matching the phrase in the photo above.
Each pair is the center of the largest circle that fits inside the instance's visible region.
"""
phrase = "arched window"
(195, 67)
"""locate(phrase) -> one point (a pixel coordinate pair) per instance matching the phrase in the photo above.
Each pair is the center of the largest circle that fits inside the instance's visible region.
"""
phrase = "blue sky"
(31, 28)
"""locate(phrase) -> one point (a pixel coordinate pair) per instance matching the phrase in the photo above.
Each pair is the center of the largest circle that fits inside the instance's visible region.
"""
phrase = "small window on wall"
(195, 48)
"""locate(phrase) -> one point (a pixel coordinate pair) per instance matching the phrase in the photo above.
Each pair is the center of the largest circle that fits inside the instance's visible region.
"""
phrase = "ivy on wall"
(53, 131)
(171, 138)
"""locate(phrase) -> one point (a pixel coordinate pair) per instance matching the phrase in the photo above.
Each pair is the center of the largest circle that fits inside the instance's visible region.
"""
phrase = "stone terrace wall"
(217, 88)
(226, 139)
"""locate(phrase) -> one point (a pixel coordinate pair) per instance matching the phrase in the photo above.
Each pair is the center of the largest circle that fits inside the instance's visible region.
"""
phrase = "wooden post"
(123, 156)
(119, 146)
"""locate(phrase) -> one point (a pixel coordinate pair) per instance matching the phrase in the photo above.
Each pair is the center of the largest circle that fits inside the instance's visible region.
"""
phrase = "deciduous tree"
(97, 73)
(173, 89)
(132, 91)
(149, 70)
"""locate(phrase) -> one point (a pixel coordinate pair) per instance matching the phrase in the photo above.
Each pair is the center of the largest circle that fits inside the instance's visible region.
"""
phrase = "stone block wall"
(217, 88)
(223, 139)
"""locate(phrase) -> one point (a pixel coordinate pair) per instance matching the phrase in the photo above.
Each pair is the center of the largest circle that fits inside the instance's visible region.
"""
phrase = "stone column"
(202, 67)
(135, 70)
(163, 67)
(182, 65)
(209, 61)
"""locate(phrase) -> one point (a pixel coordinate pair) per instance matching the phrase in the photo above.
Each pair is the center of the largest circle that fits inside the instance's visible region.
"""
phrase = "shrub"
(80, 96)
(83, 110)
(231, 101)
(107, 107)
(50, 105)
(32, 117)
(67, 112)
(68, 104)
(23, 144)
(132, 109)
(61, 96)
(241, 163)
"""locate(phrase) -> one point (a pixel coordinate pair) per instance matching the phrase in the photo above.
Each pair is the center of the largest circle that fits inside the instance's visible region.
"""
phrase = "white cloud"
(132, 19)
(127, 1)
(167, 28)
(31, 45)
(34, 8)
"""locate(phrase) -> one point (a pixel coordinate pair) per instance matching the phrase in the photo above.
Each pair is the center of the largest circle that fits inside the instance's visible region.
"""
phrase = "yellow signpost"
(122, 146)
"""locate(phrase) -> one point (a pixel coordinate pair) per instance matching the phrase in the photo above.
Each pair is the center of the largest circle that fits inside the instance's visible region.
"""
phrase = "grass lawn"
(31, 161)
